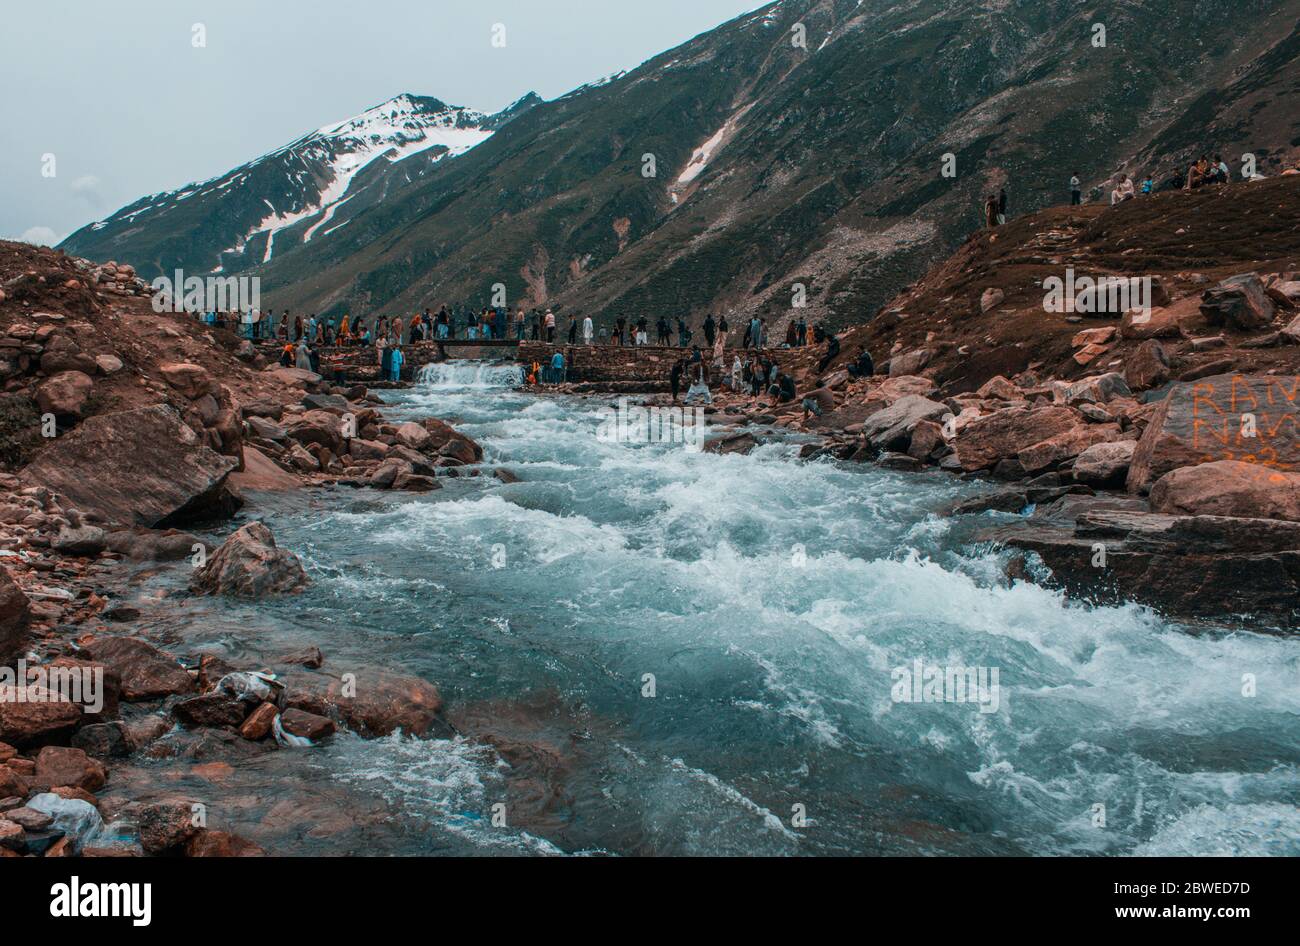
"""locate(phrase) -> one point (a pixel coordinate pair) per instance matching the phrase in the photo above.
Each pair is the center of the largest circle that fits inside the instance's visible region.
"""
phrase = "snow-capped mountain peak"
(296, 193)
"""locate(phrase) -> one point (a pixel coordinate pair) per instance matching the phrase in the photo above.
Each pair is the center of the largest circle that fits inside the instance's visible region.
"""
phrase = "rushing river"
(770, 600)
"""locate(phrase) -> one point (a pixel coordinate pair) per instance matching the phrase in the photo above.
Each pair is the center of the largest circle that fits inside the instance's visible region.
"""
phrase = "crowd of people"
(1202, 172)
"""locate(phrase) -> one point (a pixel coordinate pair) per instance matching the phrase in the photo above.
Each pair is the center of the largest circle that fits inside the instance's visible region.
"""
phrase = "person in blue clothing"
(557, 368)
(395, 363)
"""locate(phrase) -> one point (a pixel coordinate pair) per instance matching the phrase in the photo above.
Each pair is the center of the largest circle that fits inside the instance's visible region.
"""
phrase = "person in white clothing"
(1123, 191)
(588, 330)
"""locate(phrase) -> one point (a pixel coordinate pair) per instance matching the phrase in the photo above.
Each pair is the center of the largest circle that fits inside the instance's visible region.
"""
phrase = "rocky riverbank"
(124, 427)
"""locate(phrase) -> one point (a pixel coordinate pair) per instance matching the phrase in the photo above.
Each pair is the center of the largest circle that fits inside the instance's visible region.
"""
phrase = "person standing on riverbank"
(550, 326)
(588, 330)
(395, 364)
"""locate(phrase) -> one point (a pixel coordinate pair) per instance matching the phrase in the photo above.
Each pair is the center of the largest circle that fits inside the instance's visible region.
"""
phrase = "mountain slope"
(777, 164)
(292, 195)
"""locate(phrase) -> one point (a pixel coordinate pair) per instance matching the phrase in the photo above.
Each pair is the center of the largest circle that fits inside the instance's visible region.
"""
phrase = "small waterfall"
(471, 374)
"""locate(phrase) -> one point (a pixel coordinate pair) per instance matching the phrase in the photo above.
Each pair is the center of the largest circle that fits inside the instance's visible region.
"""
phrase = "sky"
(104, 103)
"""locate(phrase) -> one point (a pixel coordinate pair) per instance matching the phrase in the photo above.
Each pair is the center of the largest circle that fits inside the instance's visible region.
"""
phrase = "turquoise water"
(771, 600)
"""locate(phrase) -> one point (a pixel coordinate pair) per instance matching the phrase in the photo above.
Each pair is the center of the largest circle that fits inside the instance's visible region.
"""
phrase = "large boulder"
(141, 467)
(1228, 488)
(413, 435)
(1239, 302)
(892, 427)
(1104, 465)
(1184, 565)
(65, 394)
(60, 765)
(1147, 367)
(35, 716)
(260, 472)
(441, 434)
(191, 380)
(1253, 418)
(909, 364)
(982, 442)
(146, 673)
(375, 703)
(319, 427)
(249, 565)
(1065, 445)
(1160, 322)
(15, 614)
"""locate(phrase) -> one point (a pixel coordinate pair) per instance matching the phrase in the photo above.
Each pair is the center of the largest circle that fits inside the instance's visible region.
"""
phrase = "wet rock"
(414, 483)
(306, 725)
(1004, 500)
(12, 836)
(1228, 488)
(732, 443)
(413, 435)
(106, 691)
(1184, 565)
(41, 716)
(15, 615)
(462, 451)
(900, 462)
(441, 434)
(13, 784)
(147, 467)
(249, 565)
(29, 819)
(382, 703)
(208, 843)
(367, 449)
(211, 709)
(62, 765)
(165, 826)
(103, 740)
(310, 657)
(504, 475)
(386, 474)
(259, 722)
(146, 673)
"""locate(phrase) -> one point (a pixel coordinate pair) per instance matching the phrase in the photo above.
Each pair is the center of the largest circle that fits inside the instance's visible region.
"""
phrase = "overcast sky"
(127, 104)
